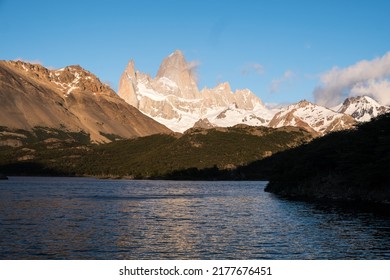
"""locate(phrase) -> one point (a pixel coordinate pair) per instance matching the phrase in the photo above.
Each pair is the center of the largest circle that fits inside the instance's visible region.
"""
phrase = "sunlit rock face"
(361, 108)
(173, 98)
(314, 118)
(69, 98)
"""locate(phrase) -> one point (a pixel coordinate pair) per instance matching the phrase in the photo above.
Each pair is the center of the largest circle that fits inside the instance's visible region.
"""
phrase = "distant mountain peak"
(361, 108)
(175, 62)
(67, 79)
(71, 99)
(360, 99)
(130, 66)
(177, 53)
(173, 97)
(127, 84)
(304, 103)
(314, 118)
(176, 69)
(224, 86)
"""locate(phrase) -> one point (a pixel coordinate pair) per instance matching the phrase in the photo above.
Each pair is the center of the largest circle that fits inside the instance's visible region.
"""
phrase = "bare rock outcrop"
(314, 118)
(173, 97)
(70, 98)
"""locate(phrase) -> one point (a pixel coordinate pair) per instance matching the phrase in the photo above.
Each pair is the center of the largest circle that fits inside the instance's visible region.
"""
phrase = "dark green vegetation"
(20, 137)
(42, 151)
(197, 154)
(352, 165)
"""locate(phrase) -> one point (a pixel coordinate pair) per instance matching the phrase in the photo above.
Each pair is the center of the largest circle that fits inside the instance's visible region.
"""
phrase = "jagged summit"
(175, 71)
(304, 103)
(71, 99)
(130, 69)
(69, 79)
(361, 108)
(175, 62)
(127, 85)
(173, 97)
(317, 119)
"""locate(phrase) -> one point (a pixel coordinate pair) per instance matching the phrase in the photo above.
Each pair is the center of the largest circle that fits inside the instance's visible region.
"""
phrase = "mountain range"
(74, 100)
(67, 122)
(173, 99)
(361, 108)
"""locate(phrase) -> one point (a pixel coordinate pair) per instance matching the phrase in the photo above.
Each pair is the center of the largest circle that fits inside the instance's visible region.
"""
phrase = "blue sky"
(281, 50)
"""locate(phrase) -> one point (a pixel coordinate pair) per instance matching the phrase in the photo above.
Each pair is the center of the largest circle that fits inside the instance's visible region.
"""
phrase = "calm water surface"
(80, 218)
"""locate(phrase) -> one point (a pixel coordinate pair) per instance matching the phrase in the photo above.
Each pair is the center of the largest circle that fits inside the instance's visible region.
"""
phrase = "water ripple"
(78, 218)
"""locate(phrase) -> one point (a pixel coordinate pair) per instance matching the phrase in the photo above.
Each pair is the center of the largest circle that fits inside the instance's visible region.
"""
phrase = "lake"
(85, 218)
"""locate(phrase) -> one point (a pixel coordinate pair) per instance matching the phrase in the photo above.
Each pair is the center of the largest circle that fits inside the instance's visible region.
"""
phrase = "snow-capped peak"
(173, 98)
(312, 117)
(361, 108)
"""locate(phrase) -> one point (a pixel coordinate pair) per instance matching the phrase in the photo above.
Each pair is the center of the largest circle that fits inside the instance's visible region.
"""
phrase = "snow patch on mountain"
(361, 108)
(312, 117)
(168, 83)
(173, 98)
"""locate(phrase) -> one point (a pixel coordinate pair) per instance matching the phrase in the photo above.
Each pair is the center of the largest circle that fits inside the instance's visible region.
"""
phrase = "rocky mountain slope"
(75, 100)
(312, 117)
(173, 98)
(361, 108)
(70, 99)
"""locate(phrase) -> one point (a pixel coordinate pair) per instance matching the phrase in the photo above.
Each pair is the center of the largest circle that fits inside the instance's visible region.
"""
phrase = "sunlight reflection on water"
(80, 218)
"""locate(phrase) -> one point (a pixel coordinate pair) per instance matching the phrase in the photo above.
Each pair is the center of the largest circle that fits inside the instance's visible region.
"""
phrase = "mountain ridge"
(361, 108)
(76, 99)
(315, 118)
(173, 99)
(69, 98)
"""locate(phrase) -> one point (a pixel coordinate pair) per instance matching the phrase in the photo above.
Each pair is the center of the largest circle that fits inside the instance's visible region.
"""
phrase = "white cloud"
(276, 83)
(252, 68)
(192, 67)
(377, 89)
(366, 77)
